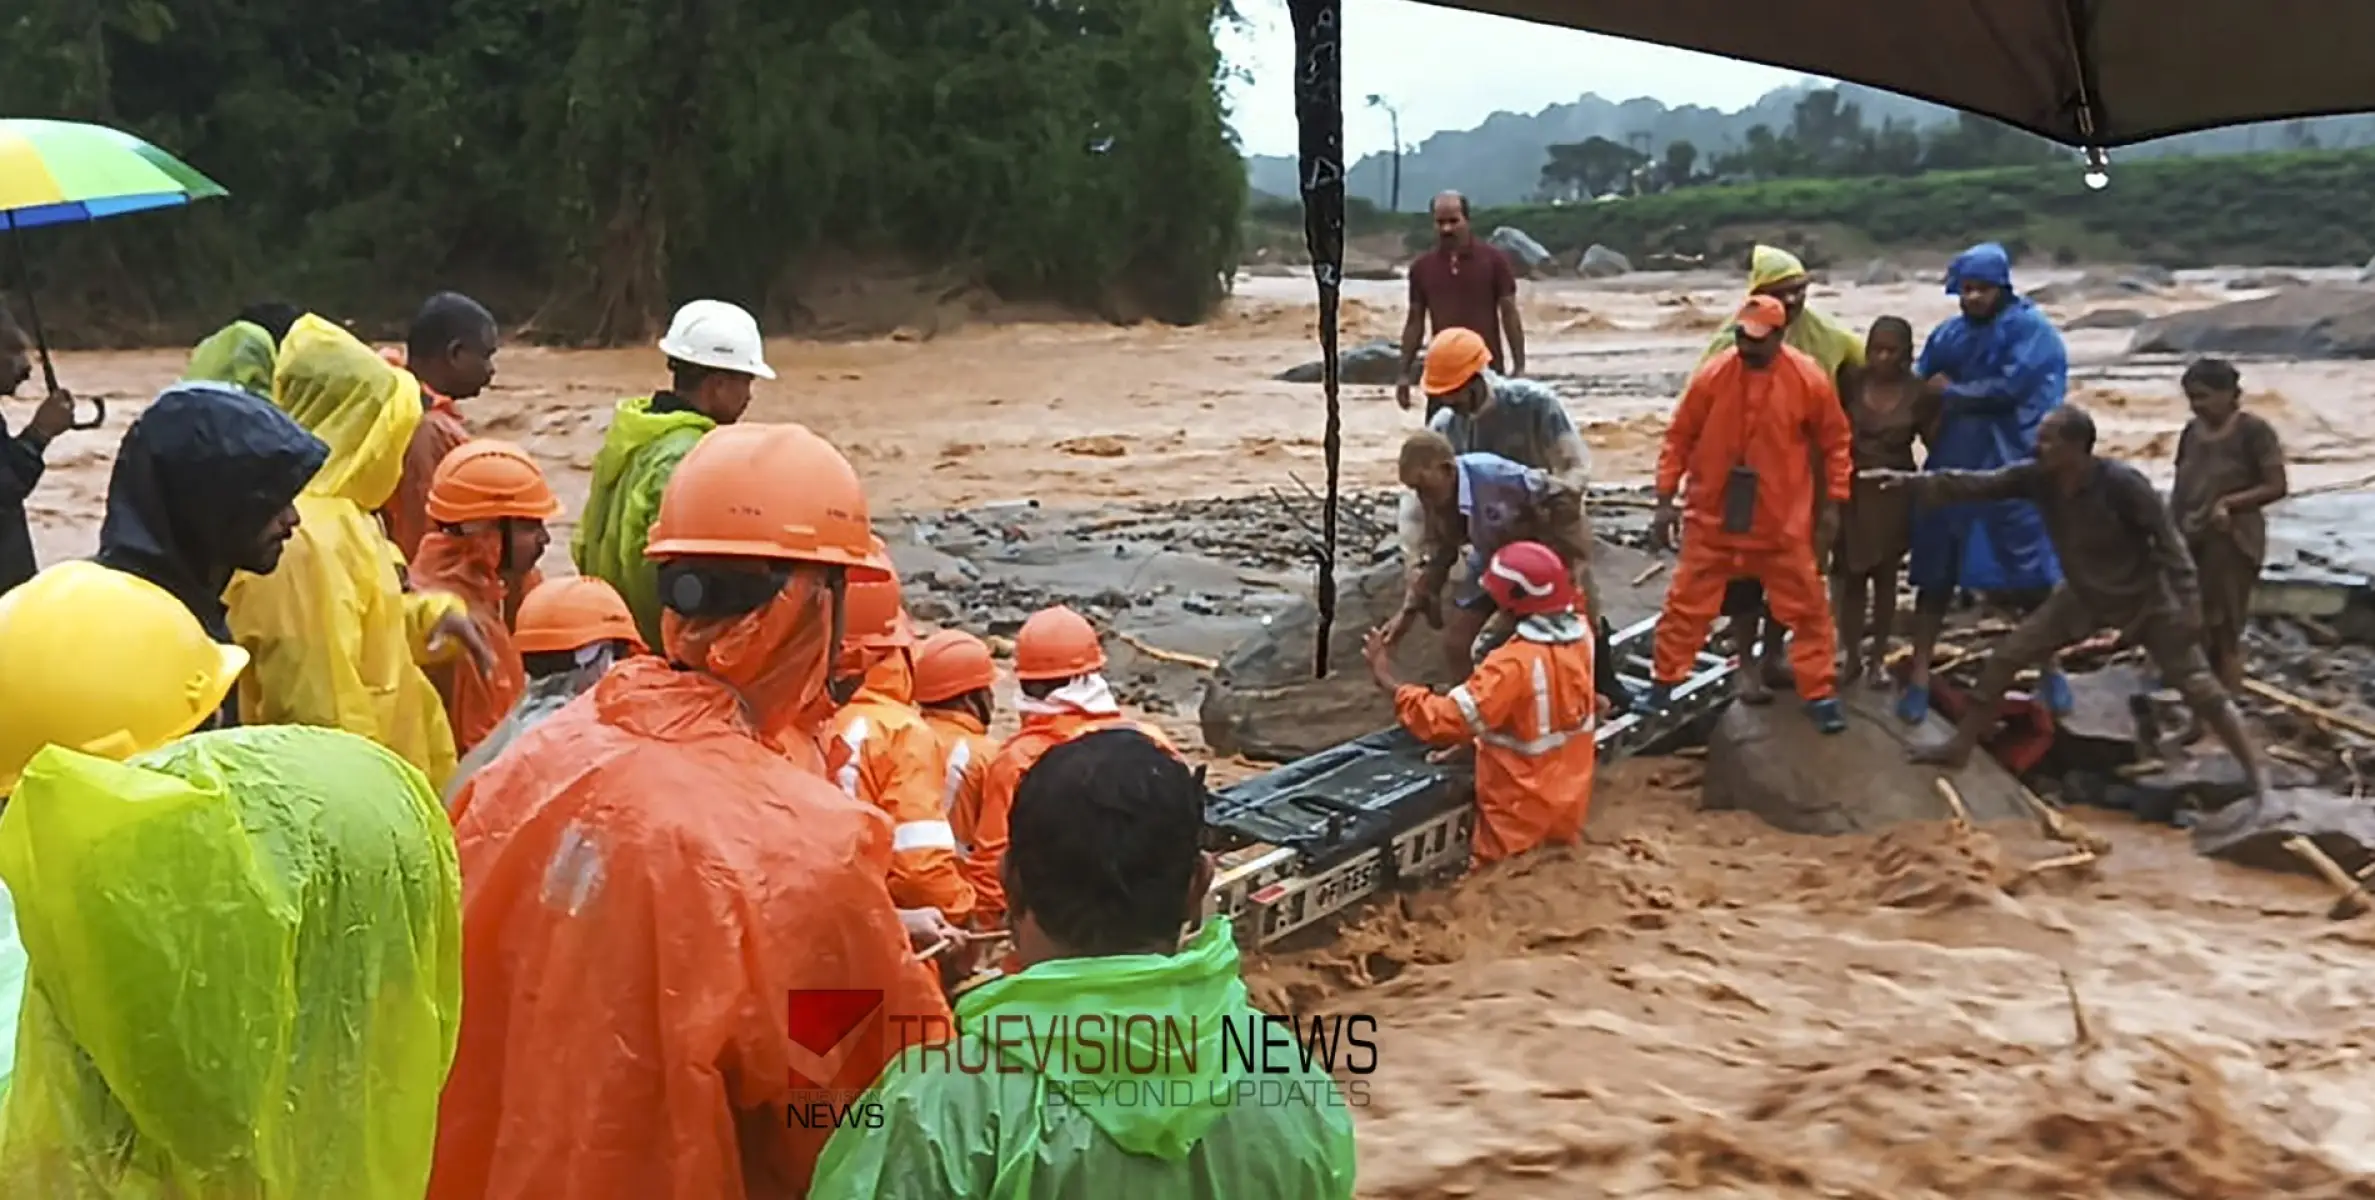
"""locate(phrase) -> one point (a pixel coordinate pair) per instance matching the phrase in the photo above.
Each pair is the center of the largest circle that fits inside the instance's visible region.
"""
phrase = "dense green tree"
(592, 162)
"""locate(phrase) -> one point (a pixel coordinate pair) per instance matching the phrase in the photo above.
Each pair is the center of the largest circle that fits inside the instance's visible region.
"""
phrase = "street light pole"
(1393, 118)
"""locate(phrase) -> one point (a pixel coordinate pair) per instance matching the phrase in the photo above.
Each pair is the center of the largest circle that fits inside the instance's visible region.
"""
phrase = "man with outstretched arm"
(2124, 566)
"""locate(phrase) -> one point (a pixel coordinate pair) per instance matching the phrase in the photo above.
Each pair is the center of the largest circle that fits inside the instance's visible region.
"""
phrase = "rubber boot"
(1827, 715)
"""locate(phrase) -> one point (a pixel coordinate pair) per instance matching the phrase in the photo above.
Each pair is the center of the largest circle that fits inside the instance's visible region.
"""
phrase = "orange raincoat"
(966, 749)
(1531, 708)
(469, 566)
(1778, 422)
(440, 431)
(884, 754)
(644, 884)
(1077, 711)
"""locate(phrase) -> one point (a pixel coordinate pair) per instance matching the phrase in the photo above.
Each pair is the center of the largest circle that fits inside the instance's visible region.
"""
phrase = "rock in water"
(2254, 834)
(1375, 362)
(1526, 254)
(1771, 761)
(2110, 318)
(1600, 262)
(1879, 272)
(2300, 323)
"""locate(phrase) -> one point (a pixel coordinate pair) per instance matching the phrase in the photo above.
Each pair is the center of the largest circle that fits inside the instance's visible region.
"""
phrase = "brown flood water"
(1687, 1004)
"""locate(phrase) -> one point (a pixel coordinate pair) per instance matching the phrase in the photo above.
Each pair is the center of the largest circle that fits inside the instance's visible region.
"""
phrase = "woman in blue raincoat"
(1996, 368)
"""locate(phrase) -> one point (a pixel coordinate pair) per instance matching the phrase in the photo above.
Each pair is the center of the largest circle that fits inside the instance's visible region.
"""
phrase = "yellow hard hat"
(103, 662)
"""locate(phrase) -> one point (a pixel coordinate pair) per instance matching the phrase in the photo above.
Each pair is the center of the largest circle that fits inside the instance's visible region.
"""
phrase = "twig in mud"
(1159, 654)
(2350, 899)
(2086, 1034)
(1954, 802)
(1649, 572)
(2063, 828)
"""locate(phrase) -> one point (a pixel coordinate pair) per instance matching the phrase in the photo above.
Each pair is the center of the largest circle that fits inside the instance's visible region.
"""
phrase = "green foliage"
(1827, 138)
(2293, 209)
(595, 161)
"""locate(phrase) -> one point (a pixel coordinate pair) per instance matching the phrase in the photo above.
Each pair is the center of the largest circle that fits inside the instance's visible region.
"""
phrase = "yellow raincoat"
(1821, 338)
(245, 971)
(638, 457)
(336, 639)
(240, 354)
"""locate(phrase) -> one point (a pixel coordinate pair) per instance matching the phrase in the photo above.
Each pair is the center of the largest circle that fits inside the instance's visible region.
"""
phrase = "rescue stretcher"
(1323, 833)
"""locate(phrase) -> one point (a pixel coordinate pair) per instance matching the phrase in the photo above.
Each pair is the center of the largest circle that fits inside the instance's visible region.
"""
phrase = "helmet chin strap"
(840, 688)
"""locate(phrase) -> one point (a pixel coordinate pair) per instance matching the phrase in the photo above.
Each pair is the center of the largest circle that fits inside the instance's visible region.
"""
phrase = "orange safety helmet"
(1527, 579)
(768, 491)
(484, 479)
(1057, 643)
(872, 616)
(952, 663)
(1453, 358)
(570, 613)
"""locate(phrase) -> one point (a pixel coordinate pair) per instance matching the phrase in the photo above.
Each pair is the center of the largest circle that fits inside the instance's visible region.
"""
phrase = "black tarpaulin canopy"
(2094, 74)
(2086, 73)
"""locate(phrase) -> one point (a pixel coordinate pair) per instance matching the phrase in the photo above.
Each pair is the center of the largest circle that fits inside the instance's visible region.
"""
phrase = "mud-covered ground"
(1687, 1004)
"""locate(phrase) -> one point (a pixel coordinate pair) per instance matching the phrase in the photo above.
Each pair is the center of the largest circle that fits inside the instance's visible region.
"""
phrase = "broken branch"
(1649, 572)
(1954, 802)
(2311, 709)
(2349, 899)
(1157, 653)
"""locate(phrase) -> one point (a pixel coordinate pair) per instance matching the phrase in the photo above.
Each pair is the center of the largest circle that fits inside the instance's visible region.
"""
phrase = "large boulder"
(1263, 703)
(1880, 272)
(2109, 318)
(1526, 254)
(2254, 833)
(1773, 762)
(2298, 323)
(1373, 362)
(1600, 262)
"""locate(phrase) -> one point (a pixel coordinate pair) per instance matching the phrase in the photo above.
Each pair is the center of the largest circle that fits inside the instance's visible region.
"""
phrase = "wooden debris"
(2086, 1035)
(2062, 827)
(2311, 709)
(1649, 572)
(1157, 653)
(2350, 899)
(1954, 802)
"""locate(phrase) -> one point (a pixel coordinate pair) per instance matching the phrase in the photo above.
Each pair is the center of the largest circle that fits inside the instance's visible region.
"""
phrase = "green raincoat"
(240, 354)
(245, 971)
(638, 456)
(1819, 337)
(1009, 1131)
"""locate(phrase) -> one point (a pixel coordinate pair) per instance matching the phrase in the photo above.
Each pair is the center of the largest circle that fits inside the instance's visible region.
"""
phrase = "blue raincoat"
(2007, 374)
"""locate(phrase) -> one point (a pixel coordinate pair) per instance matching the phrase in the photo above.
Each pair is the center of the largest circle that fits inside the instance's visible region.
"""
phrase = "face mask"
(778, 658)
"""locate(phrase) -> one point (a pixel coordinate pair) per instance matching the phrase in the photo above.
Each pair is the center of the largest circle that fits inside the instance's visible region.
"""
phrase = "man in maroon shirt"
(1460, 284)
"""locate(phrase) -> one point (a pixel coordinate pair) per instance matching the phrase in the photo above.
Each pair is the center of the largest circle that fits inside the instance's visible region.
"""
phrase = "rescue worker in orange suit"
(645, 878)
(1059, 664)
(1751, 425)
(450, 349)
(1530, 708)
(954, 678)
(881, 751)
(489, 503)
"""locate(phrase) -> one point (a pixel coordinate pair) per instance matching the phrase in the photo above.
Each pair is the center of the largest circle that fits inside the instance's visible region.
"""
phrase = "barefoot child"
(1530, 708)
(2230, 466)
(1887, 413)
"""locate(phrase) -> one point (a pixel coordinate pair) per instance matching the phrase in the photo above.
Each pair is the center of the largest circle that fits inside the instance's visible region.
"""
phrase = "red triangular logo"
(822, 1018)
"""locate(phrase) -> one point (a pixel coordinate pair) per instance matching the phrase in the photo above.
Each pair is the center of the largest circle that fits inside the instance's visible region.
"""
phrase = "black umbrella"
(2093, 74)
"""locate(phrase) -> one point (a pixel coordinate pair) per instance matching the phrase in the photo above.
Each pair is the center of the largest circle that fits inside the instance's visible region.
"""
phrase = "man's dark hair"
(444, 319)
(275, 316)
(1103, 843)
(2213, 375)
(2076, 424)
(685, 378)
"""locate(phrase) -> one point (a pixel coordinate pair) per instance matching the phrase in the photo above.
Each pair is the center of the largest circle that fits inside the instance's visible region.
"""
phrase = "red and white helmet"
(1527, 578)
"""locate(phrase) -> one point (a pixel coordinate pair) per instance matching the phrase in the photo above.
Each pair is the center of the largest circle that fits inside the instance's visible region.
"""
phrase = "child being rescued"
(1530, 708)
(1885, 413)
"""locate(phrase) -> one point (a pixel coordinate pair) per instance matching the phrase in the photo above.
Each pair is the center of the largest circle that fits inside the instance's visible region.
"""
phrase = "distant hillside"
(1500, 161)
(2295, 209)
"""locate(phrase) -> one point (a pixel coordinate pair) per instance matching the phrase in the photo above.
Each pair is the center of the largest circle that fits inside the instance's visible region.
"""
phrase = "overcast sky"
(1397, 48)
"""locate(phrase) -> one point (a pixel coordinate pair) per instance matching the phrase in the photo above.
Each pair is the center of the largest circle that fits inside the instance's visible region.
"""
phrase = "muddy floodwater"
(1687, 1004)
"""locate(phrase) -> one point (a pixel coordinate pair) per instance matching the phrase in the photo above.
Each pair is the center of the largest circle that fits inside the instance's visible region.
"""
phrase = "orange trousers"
(1793, 592)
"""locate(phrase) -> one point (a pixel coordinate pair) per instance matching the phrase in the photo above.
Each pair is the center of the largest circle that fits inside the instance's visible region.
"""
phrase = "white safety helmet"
(717, 335)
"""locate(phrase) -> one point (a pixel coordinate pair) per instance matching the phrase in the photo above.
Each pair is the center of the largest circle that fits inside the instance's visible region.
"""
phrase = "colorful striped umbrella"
(58, 172)
(54, 172)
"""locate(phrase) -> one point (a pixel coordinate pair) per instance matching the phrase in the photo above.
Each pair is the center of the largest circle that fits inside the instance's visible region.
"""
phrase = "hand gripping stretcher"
(1320, 834)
